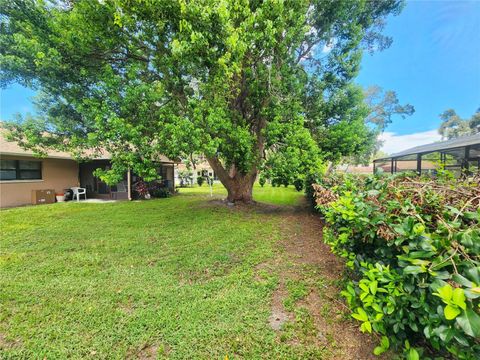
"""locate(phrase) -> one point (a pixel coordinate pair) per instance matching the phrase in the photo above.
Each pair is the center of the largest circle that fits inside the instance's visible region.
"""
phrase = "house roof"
(11, 148)
(438, 146)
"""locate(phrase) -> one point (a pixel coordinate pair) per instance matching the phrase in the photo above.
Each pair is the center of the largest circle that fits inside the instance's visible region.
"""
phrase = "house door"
(101, 187)
(88, 180)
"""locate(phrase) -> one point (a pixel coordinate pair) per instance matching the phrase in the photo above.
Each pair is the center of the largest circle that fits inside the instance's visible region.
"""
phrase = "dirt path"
(306, 307)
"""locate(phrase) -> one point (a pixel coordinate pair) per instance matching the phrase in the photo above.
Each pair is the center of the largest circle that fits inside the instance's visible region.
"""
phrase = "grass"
(266, 194)
(171, 277)
(297, 290)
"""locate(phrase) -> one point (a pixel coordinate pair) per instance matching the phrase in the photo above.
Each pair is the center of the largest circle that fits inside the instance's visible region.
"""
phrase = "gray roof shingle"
(438, 146)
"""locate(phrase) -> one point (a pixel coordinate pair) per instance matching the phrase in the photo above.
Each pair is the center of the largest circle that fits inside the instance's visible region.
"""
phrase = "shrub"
(413, 249)
(140, 190)
(298, 183)
(156, 189)
(315, 179)
(275, 182)
(311, 180)
(200, 180)
(160, 192)
(262, 181)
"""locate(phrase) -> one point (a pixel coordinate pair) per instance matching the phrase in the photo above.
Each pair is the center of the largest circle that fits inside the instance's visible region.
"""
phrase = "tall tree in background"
(384, 106)
(474, 122)
(352, 121)
(232, 79)
(454, 126)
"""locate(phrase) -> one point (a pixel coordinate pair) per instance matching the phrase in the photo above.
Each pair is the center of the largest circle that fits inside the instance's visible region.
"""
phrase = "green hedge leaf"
(413, 259)
(469, 321)
(378, 350)
(413, 354)
(451, 312)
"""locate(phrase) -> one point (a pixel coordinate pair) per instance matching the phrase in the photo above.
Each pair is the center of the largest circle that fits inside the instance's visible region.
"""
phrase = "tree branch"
(219, 169)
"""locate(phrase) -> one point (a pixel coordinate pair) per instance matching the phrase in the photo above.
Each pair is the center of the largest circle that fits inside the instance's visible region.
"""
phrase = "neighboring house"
(21, 172)
(202, 168)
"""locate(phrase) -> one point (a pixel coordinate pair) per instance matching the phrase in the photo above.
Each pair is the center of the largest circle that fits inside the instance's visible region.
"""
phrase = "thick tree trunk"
(239, 186)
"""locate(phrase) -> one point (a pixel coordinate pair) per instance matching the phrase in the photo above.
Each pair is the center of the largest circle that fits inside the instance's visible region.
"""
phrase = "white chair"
(77, 191)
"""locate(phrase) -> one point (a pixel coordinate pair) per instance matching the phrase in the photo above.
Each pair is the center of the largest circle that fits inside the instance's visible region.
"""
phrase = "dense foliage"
(355, 139)
(158, 190)
(235, 80)
(413, 249)
(147, 190)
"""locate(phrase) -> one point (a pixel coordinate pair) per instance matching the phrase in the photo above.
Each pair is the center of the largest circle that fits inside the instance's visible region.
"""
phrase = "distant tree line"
(454, 126)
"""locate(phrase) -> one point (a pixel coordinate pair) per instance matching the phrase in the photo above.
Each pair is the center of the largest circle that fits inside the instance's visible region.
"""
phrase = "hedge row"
(412, 247)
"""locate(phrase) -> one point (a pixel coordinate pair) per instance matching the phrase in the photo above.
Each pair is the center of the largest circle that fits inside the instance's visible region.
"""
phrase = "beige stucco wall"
(57, 174)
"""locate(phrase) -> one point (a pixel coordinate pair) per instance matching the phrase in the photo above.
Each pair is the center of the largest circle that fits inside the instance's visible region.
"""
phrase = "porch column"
(465, 163)
(129, 185)
(419, 164)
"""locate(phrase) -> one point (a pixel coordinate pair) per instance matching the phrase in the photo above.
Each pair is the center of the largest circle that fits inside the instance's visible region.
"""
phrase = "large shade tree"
(454, 126)
(234, 80)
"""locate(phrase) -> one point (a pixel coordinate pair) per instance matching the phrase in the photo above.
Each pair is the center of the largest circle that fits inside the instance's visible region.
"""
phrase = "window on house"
(20, 170)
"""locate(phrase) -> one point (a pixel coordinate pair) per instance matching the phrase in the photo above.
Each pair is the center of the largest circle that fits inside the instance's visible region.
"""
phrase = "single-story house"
(21, 172)
(202, 169)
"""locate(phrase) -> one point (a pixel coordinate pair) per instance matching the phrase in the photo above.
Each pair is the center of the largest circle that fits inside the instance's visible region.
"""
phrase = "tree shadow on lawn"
(257, 207)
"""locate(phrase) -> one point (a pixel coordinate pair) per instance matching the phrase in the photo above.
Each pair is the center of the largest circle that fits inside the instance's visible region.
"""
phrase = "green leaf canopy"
(235, 80)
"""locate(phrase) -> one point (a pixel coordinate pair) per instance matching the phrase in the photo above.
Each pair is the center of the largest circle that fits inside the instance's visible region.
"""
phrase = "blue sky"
(433, 64)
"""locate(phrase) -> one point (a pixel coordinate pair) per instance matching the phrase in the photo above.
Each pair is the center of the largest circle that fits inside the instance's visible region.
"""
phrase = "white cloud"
(393, 143)
(327, 48)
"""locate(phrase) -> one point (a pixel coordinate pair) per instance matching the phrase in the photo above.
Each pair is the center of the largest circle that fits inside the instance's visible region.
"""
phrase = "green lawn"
(266, 194)
(175, 277)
